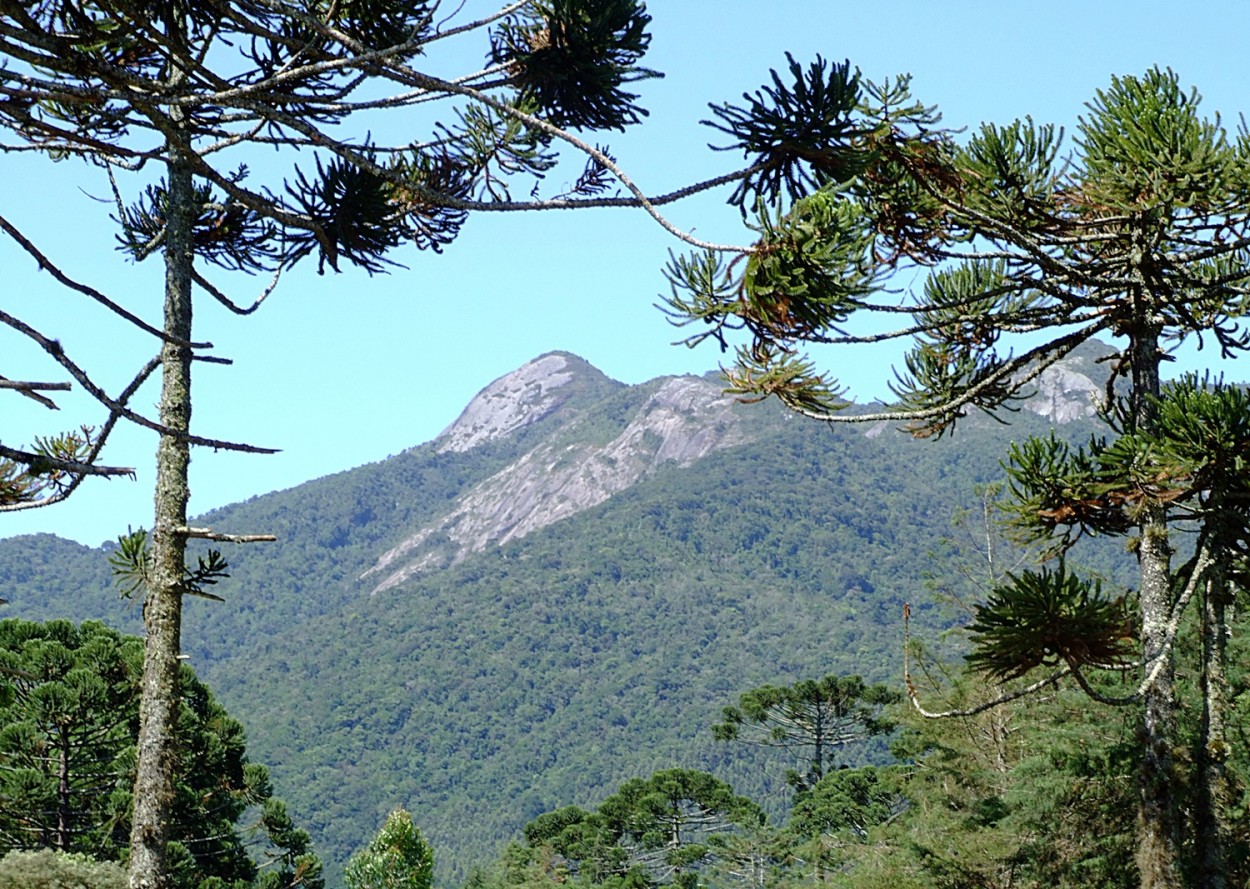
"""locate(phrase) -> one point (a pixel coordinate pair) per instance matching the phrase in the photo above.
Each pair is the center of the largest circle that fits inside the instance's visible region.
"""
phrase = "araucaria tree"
(1138, 233)
(69, 707)
(1189, 464)
(171, 100)
(812, 719)
(657, 831)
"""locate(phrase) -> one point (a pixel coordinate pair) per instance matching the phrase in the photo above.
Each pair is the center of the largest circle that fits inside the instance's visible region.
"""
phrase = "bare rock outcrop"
(1064, 395)
(510, 403)
(683, 420)
(572, 469)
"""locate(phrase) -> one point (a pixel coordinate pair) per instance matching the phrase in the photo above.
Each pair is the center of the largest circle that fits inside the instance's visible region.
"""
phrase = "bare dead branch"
(209, 534)
(57, 351)
(48, 266)
(97, 448)
(216, 294)
(25, 386)
(30, 458)
(32, 389)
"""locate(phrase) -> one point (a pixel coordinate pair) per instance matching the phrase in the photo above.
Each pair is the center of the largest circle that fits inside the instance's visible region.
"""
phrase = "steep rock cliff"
(681, 420)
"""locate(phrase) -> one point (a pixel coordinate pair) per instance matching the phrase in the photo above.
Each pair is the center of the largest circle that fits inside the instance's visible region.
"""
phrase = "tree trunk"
(162, 607)
(1159, 811)
(1211, 827)
(818, 760)
(63, 815)
(1159, 815)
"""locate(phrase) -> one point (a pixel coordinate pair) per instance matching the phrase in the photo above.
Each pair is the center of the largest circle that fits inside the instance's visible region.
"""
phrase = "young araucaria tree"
(1139, 233)
(172, 100)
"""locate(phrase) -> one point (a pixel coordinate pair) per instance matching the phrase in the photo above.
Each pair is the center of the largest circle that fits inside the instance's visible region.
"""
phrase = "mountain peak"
(676, 420)
(516, 400)
(1074, 387)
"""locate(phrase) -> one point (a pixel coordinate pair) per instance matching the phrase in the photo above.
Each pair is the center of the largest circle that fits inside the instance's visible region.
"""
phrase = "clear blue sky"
(345, 369)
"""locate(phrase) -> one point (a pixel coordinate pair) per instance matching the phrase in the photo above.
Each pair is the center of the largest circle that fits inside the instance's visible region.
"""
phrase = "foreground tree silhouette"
(170, 99)
(1190, 466)
(1140, 233)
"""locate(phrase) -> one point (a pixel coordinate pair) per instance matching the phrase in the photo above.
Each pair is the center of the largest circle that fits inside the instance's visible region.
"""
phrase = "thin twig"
(47, 265)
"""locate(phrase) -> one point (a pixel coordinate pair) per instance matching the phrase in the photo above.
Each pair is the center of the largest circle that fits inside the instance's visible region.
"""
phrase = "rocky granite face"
(510, 403)
(1064, 395)
(683, 420)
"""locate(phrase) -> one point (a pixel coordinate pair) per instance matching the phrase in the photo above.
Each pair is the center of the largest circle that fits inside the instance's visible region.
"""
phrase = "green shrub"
(47, 869)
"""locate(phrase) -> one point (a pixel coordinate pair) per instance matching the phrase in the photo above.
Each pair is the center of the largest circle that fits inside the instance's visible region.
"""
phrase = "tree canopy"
(653, 831)
(397, 858)
(70, 716)
(811, 718)
(1140, 231)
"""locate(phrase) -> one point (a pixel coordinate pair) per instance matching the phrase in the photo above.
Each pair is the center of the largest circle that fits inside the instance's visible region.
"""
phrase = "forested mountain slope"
(558, 593)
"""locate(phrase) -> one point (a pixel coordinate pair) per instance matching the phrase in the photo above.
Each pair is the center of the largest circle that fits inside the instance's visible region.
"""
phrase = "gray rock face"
(685, 419)
(1064, 395)
(510, 403)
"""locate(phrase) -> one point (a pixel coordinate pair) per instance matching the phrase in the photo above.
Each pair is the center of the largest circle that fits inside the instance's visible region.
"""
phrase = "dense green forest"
(640, 637)
(549, 671)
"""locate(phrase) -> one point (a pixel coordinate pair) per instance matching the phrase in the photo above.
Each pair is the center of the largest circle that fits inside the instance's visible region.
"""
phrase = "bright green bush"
(397, 858)
(47, 869)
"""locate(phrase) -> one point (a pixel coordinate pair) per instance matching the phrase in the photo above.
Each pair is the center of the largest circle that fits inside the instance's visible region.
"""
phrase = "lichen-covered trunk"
(162, 608)
(1211, 796)
(1159, 818)
(1159, 814)
(63, 811)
